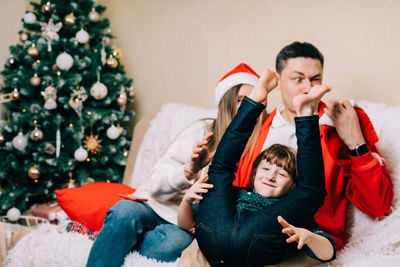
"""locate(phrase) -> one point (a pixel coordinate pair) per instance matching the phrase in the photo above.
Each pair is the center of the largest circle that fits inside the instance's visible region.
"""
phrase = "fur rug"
(373, 242)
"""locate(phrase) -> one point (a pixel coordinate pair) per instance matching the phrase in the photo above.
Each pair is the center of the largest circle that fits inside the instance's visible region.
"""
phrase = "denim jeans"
(227, 236)
(134, 225)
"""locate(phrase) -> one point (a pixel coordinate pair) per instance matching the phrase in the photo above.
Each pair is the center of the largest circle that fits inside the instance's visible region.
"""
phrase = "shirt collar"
(278, 120)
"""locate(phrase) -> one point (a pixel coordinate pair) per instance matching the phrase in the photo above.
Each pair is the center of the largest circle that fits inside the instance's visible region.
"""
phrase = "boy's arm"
(185, 216)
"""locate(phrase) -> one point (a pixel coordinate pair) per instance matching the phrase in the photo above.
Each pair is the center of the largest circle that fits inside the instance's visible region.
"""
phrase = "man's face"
(298, 76)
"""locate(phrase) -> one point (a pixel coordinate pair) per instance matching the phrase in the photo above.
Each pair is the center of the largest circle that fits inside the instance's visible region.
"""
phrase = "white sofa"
(373, 242)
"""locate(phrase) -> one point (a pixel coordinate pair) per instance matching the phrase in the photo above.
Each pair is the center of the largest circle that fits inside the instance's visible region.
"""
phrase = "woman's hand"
(201, 157)
(195, 191)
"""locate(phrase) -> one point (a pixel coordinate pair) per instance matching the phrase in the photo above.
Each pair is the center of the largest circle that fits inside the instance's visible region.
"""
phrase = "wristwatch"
(360, 150)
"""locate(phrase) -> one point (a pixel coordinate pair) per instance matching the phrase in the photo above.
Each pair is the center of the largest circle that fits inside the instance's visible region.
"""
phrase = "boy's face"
(298, 76)
(271, 180)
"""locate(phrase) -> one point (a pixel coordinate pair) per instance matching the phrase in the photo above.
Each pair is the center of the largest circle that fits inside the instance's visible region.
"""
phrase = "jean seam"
(235, 228)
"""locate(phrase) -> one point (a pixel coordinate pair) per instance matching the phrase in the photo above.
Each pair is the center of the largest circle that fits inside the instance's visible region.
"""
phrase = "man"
(354, 170)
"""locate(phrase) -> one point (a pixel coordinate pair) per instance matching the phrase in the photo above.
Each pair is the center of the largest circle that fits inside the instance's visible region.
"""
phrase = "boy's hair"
(297, 49)
(280, 155)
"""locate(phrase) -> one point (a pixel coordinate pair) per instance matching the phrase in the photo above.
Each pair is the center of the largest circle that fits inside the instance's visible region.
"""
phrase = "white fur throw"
(373, 242)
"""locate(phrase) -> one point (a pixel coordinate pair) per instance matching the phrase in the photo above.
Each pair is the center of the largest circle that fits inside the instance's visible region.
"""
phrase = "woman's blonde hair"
(226, 112)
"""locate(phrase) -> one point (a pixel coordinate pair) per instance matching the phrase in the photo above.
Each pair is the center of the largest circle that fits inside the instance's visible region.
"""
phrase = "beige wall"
(176, 50)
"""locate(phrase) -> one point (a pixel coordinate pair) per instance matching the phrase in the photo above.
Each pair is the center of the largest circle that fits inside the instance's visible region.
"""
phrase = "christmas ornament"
(34, 172)
(58, 142)
(46, 8)
(117, 53)
(120, 129)
(131, 92)
(92, 143)
(82, 36)
(80, 154)
(126, 153)
(70, 19)
(107, 40)
(36, 134)
(49, 32)
(23, 37)
(33, 51)
(35, 108)
(13, 214)
(35, 80)
(94, 16)
(30, 18)
(113, 132)
(112, 62)
(12, 62)
(49, 149)
(122, 98)
(2, 138)
(64, 61)
(19, 142)
(50, 96)
(15, 94)
(76, 100)
(98, 90)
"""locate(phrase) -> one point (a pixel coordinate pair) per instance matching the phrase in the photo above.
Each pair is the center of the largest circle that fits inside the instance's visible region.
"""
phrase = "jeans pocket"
(206, 240)
(266, 249)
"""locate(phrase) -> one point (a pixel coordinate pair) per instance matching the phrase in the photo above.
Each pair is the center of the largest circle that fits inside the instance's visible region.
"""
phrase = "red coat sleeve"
(370, 186)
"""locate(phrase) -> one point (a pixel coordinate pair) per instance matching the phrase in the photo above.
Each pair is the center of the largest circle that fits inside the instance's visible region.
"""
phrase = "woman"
(150, 227)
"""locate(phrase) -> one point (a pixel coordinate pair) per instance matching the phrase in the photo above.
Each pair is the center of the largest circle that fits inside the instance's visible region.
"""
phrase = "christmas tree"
(66, 95)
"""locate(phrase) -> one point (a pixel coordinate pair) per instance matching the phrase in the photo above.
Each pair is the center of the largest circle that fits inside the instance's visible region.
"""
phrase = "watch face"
(359, 150)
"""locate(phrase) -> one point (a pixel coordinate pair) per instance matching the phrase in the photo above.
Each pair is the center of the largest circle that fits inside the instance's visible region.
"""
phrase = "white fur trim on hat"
(233, 80)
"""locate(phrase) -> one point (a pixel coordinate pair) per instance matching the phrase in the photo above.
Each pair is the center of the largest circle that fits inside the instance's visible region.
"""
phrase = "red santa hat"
(241, 74)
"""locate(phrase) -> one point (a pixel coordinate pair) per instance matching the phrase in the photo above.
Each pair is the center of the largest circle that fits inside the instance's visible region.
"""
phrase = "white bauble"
(29, 18)
(13, 214)
(20, 141)
(82, 36)
(94, 16)
(98, 91)
(64, 61)
(80, 154)
(113, 132)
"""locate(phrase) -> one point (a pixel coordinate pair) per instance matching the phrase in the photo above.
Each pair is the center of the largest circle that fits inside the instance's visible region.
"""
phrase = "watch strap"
(359, 150)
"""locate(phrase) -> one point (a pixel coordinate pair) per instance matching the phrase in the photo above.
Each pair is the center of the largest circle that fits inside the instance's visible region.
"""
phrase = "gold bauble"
(117, 53)
(33, 172)
(46, 8)
(35, 80)
(132, 93)
(70, 19)
(33, 51)
(121, 100)
(23, 37)
(108, 30)
(112, 62)
(2, 138)
(15, 94)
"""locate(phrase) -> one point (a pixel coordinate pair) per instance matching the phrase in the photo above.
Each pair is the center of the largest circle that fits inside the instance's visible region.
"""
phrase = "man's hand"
(195, 191)
(345, 120)
(301, 235)
(200, 158)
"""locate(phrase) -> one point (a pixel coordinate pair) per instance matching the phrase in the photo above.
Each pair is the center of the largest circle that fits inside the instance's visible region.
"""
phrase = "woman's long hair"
(226, 111)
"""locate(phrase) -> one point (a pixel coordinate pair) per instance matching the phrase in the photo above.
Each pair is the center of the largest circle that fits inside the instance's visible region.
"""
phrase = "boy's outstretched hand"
(307, 104)
(195, 191)
(301, 235)
(267, 82)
